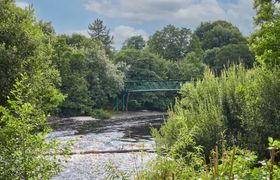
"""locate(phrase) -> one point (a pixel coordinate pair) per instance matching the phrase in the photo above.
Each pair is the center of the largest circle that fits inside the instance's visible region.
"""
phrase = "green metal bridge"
(142, 86)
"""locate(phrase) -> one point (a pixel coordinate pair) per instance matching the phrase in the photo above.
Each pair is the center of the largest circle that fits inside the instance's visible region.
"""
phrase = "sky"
(126, 18)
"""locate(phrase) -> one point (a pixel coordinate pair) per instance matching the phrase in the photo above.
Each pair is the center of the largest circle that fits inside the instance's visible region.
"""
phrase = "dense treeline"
(170, 53)
(86, 73)
(89, 73)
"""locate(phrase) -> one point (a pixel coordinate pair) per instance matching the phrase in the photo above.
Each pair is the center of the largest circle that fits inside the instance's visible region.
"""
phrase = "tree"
(265, 41)
(218, 58)
(234, 54)
(143, 65)
(24, 49)
(47, 28)
(171, 43)
(104, 79)
(73, 68)
(89, 79)
(218, 34)
(191, 67)
(135, 42)
(99, 32)
(209, 57)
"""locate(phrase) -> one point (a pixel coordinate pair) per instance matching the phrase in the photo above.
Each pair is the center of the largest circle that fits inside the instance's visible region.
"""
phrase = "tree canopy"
(24, 50)
(218, 34)
(89, 79)
(171, 43)
(135, 42)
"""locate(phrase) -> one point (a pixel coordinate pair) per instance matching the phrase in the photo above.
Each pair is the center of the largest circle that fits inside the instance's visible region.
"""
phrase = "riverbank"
(117, 116)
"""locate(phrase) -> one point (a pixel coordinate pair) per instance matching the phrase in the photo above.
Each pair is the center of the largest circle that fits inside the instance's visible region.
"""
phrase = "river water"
(110, 139)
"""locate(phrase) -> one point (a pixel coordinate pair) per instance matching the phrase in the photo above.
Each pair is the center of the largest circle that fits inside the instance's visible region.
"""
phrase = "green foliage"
(112, 172)
(240, 107)
(209, 57)
(197, 111)
(224, 45)
(178, 164)
(226, 163)
(172, 43)
(234, 54)
(219, 58)
(99, 32)
(191, 67)
(134, 42)
(24, 151)
(89, 79)
(243, 104)
(104, 78)
(24, 49)
(261, 111)
(101, 114)
(73, 68)
(218, 34)
(143, 65)
(264, 41)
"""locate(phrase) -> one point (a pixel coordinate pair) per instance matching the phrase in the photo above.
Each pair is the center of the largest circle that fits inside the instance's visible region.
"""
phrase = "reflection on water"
(102, 135)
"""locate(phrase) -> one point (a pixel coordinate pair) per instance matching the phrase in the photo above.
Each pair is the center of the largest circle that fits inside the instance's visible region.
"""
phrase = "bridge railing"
(148, 86)
(145, 86)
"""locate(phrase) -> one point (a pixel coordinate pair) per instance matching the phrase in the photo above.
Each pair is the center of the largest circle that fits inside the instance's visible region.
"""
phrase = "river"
(103, 146)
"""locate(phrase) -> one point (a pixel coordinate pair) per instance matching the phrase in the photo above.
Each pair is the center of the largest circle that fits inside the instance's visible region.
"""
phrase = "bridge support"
(122, 100)
(127, 99)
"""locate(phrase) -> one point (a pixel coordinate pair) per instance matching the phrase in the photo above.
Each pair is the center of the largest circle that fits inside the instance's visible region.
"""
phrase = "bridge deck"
(151, 90)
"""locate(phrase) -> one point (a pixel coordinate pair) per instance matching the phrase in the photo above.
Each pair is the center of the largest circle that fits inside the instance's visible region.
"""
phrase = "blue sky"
(126, 18)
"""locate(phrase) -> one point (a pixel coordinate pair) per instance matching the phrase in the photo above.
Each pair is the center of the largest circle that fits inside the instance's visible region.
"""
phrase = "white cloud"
(121, 33)
(185, 12)
(22, 4)
(241, 14)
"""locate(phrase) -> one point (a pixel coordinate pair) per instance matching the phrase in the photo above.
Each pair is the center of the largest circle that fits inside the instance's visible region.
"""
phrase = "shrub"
(101, 114)
(261, 112)
(24, 151)
(241, 104)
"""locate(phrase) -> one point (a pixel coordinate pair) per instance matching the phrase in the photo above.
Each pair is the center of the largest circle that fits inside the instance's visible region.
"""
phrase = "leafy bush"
(241, 104)
(101, 114)
(261, 111)
(24, 151)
